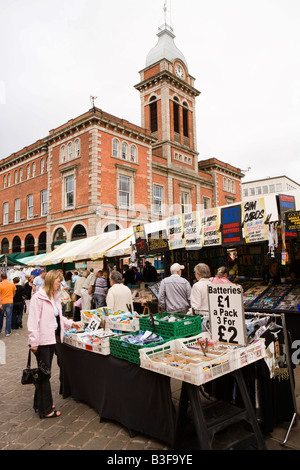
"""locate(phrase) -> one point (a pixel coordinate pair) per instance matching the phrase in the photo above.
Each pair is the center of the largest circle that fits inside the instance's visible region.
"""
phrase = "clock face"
(179, 71)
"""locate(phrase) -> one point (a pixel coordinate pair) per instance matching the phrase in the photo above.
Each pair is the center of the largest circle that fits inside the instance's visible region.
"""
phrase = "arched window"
(59, 235)
(79, 232)
(124, 150)
(5, 246)
(42, 242)
(153, 114)
(63, 154)
(185, 118)
(77, 148)
(176, 114)
(70, 151)
(115, 148)
(111, 228)
(29, 242)
(133, 153)
(42, 165)
(16, 245)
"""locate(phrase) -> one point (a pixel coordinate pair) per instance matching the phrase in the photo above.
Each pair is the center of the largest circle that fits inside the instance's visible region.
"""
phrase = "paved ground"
(79, 427)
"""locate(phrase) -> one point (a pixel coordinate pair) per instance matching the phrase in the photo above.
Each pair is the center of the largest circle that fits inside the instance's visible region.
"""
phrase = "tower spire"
(165, 23)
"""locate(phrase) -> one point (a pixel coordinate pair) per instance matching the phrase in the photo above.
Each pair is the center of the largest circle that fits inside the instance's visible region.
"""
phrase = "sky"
(244, 56)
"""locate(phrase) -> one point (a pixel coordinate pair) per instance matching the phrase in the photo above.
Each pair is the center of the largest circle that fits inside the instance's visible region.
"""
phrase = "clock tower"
(168, 102)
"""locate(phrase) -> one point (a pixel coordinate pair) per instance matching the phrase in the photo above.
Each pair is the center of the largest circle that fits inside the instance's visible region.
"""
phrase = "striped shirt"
(101, 286)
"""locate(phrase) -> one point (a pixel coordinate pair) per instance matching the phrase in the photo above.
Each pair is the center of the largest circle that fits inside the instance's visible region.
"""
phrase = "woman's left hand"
(77, 325)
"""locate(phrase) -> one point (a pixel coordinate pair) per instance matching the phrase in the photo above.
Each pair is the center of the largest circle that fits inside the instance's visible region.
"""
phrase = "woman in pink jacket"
(46, 326)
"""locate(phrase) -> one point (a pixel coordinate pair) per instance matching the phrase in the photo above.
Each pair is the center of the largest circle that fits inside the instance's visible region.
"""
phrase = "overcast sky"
(244, 55)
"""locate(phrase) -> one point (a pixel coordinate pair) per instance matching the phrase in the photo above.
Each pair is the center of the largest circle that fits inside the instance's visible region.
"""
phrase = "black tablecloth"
(119, 390)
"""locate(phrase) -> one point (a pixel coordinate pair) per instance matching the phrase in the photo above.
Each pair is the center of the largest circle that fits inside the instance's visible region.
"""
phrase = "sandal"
(54, 414)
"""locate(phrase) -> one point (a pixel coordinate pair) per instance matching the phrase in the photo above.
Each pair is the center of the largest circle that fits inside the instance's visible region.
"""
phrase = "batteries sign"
(226, 311)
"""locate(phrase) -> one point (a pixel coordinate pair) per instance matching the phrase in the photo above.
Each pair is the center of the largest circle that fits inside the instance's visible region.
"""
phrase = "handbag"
(36, 375)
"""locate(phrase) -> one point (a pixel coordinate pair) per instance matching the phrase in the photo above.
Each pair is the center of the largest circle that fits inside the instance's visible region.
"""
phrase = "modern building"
(263, 187)
(98, 172)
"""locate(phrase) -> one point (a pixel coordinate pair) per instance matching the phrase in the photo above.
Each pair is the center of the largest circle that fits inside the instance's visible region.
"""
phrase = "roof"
(165, 49)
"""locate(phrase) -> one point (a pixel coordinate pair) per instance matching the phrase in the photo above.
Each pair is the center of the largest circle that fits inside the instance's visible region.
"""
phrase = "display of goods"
(128, 346)
(123, 322)
(172, 325)
(240, 356)
(198, 360)
(272, 297)
(95, 341)
(86, 315)
(291, 301)
(176, 361)
(252, 293)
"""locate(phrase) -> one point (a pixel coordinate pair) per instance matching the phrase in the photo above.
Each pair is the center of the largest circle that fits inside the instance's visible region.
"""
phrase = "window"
(157, 199)
(70, 150)
(42, 165)
(272, 188)
(279, 187)
(258, 190)
(29, 206)
(176, 115)
(206, 202)
(245, 192)
(33, 169)
(185, 117)
(8, 179)
(16, 177)
(28, 171)
(153, 114)
(185, 202)
(265, 189)
(77, 148)
(44, 202)
(69, 192)
(5, 213)
(124, 150)
(21, 174)
(124, 191)
(252, 191)
(63, 154)
(4, 181)
(17, 210)
(133, 153)
(115, 148)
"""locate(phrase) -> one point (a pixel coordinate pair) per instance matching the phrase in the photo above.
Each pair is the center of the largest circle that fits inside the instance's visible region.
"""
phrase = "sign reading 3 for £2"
(226, 312)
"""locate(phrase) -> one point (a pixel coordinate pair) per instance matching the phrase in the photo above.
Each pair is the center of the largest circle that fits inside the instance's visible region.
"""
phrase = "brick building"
(98, 172)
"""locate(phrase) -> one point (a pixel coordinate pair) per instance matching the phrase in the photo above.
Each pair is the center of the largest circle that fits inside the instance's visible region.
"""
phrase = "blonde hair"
(50, 277)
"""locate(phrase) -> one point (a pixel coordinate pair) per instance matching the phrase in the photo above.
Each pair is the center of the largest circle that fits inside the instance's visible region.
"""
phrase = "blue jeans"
(100, 300)
(7, 309)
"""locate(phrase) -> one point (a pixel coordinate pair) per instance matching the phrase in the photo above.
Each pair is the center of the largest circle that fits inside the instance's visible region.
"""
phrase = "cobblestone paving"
(79, 427)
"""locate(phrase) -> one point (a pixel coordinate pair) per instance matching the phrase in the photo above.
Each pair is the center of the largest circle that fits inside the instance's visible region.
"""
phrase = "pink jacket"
(40, 323)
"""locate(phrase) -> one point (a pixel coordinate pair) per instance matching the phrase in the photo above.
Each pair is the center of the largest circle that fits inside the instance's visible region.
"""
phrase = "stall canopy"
(91, 248)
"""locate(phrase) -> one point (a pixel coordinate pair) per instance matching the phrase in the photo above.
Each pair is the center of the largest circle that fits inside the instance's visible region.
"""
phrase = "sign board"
(158, 241)
(254, 216)
(192, 231)
(140, 239)
(94, 323)
(231, 225)
(175, 232)
(209, 220)
(292, 221)
(226, 313)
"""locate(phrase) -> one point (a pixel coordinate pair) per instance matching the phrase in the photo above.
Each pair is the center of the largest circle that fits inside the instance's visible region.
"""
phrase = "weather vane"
(93, 98)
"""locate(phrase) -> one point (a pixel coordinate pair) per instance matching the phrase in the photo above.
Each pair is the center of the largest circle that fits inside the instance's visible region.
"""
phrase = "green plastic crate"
(187, 326)
(130, 352)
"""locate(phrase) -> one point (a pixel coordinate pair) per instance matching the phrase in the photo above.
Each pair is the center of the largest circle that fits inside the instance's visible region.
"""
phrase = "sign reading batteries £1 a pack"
(226, 312)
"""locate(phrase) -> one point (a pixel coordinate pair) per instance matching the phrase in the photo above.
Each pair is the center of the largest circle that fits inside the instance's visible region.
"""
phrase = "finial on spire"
(165, 23)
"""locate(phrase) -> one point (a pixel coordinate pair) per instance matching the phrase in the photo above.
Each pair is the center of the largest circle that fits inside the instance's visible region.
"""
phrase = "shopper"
(221, 276)
(149, 272)
(38, 281)
(7, 290)
(128, 276)
(273, 274)
(119, 296)
(199, 295)
(87, 291)
(77, 291)
(175, 292)
(28, 292)
(18, 305)
(46, 326)
(101, 289)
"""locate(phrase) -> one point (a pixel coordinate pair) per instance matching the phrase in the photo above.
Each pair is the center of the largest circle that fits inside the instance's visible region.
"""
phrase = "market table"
(119, 390)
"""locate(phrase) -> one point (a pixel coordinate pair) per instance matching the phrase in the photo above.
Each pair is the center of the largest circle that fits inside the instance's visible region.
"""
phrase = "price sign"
(226, 312)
